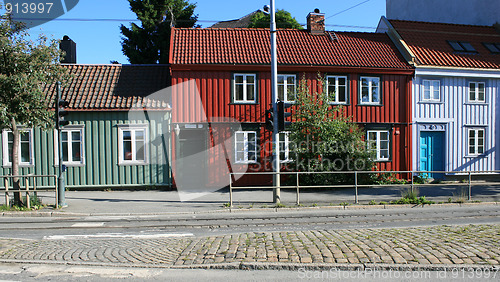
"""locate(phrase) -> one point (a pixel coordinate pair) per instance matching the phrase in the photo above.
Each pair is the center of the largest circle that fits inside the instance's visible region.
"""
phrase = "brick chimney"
(69, 47)
(316, 22)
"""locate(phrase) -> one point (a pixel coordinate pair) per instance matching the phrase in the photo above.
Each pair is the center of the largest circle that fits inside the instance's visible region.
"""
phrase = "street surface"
(283, 244)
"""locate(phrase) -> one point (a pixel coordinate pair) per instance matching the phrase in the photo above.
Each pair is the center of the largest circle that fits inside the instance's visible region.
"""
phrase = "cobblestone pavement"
(457, 245)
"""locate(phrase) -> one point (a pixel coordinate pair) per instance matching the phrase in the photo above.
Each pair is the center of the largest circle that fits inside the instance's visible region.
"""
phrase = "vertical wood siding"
(215, 92)
(101, 152)
(455, 111)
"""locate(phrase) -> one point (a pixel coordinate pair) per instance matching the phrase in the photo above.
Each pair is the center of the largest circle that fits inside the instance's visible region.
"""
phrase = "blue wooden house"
(456, 92)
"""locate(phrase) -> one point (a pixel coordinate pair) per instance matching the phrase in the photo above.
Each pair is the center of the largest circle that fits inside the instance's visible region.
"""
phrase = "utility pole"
(274, 87)
(61, 187)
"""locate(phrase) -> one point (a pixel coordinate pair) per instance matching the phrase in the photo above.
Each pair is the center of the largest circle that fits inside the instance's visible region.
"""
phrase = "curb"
(340, 266)
(233, 210)
(281, 266)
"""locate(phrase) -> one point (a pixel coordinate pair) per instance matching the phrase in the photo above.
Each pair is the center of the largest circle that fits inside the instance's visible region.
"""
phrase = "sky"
(95, 24)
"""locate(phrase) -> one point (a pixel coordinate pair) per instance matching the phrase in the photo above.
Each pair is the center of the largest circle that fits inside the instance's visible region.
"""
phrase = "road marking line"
(88, 224)
(117, 235)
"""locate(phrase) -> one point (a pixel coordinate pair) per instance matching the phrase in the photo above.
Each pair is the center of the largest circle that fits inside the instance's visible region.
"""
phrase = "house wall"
(101, 166)
(215, 91)
(473, 12)
(214, 100)
(454, 115)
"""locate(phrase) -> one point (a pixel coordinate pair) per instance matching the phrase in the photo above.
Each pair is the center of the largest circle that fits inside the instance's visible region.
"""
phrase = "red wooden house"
(225, 73)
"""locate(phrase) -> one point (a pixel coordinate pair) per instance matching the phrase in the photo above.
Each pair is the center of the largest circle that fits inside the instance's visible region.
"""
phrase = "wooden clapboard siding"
(458, 114)
(205, 94)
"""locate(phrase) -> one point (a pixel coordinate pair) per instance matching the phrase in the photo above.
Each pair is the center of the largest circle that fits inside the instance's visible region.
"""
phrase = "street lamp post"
(274, 87)
(61, 187)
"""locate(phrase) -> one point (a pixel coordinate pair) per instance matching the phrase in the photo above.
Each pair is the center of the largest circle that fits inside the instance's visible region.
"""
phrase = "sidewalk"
(162, 202)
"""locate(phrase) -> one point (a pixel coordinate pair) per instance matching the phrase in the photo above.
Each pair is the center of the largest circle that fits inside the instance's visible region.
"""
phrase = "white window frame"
(285, 147)
(69, 129)
(476, 141)
(431, 90)
(337, 89)
(476, 92)
(378, 143)
(370, 88)
(5, 148)
(133, 128)
(245, 88)
(285, 86)
(245, 151)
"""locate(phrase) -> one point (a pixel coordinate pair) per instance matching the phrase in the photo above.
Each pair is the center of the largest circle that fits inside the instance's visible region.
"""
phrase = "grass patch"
(411, 196)
(461, 196)
(35, 204)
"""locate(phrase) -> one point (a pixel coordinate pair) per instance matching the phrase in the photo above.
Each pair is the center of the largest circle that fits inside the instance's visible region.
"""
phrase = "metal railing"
(25, 187)
(411, 183)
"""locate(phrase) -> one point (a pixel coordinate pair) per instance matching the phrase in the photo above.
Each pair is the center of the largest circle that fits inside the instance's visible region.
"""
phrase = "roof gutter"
(457, 71)
(295, 68)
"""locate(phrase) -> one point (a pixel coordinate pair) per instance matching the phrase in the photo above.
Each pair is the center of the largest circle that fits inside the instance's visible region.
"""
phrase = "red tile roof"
(428, 42)
(113, 87)
(249, 46)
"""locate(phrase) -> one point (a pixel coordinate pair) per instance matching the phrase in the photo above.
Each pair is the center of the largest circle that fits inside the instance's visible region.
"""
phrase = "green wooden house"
(119, 131)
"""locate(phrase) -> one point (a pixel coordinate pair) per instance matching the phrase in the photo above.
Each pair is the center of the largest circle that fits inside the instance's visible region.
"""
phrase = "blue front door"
(432, 152)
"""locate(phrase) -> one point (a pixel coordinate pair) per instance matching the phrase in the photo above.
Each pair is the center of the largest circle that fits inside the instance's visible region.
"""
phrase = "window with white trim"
(285, 147)
(476, 141)
(245, 146)
(286, 87)
(133, 144)
(370, 90)
(25, 148)
(378, 142)
(244, 88)
(476, 92)
(336, 87)
(431, 90)
(73, 145)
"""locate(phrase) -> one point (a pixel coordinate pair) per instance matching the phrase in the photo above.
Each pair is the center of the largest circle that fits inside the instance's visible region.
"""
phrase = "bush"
(420, 178)
(324, 139)
(387, 178)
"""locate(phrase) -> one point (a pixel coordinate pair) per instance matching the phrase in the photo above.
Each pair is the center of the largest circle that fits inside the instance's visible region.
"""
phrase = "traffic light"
(61, 113)
(283, 115)
(270, 119)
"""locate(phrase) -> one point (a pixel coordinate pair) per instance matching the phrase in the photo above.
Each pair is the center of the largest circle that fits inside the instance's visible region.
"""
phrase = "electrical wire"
(359, 4)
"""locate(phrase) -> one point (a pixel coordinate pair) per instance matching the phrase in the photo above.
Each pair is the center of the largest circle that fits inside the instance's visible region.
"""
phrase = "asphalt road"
(239, 221)
(63, 228)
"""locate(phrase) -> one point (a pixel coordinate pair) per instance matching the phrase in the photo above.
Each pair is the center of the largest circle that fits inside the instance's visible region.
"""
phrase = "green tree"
(283, 20)
(150, 42)
(26, 67)
(325, 139)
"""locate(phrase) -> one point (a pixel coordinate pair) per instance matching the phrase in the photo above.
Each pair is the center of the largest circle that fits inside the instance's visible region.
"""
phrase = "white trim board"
(457, 72)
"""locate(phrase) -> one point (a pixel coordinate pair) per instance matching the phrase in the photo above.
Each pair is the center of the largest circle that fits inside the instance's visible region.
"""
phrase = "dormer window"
(462, 46)
(493, 47)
